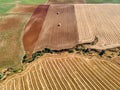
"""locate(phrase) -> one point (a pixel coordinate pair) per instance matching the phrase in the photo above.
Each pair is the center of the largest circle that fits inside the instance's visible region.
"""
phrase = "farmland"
(64, 72)
(59, 46)
(78, 26)
(10, 40)
(12, 22)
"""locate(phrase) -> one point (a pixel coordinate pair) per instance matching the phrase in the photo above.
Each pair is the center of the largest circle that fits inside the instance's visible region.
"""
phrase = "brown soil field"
(24, 9)
(77, 24)
(65, 71)
(10, 22)
(33, 28)
(58, 36)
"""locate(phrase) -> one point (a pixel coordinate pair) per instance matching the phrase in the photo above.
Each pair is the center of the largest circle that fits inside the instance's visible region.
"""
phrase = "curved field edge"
(12, 23)
(11, 32)
(62, 58)
(84, 20)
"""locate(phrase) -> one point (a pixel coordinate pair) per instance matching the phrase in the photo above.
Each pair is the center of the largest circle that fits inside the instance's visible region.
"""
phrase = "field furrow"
(104, 23)
(66, 73)
(84, 30)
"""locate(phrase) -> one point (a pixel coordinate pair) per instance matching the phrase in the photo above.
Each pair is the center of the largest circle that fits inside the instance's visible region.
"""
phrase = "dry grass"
(11, 50)
(65, 72)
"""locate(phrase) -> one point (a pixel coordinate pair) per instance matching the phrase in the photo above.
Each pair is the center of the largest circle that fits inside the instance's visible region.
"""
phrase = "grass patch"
(23, 1)
(4, 8)
(6, 1)
(33, 1)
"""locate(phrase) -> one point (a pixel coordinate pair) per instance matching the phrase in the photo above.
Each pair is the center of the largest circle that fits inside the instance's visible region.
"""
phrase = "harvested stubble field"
(65, 72)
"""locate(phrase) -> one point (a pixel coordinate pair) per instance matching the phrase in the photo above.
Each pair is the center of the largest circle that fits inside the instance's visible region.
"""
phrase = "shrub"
(47, 50)
(70, 51)
(25, 57)
(102, 52)
(85, 50)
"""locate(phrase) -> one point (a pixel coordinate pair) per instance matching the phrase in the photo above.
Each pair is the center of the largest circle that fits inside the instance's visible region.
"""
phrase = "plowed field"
(64, 26)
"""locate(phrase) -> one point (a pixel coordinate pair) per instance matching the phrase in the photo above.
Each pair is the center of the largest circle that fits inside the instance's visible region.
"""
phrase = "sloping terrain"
(65, 26)
(65, 72)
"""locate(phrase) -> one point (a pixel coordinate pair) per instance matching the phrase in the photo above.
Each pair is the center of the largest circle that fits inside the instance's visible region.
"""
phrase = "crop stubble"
(65, 72)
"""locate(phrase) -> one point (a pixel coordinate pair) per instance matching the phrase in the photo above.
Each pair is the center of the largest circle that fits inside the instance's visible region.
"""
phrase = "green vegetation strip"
(10, 71)
(79, 49)
(22, 1)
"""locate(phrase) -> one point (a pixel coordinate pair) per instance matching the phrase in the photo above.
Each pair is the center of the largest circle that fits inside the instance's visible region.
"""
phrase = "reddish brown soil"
(24, 9)
(10, 22)
(33, 27)
(67, 25)
(59, 30)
